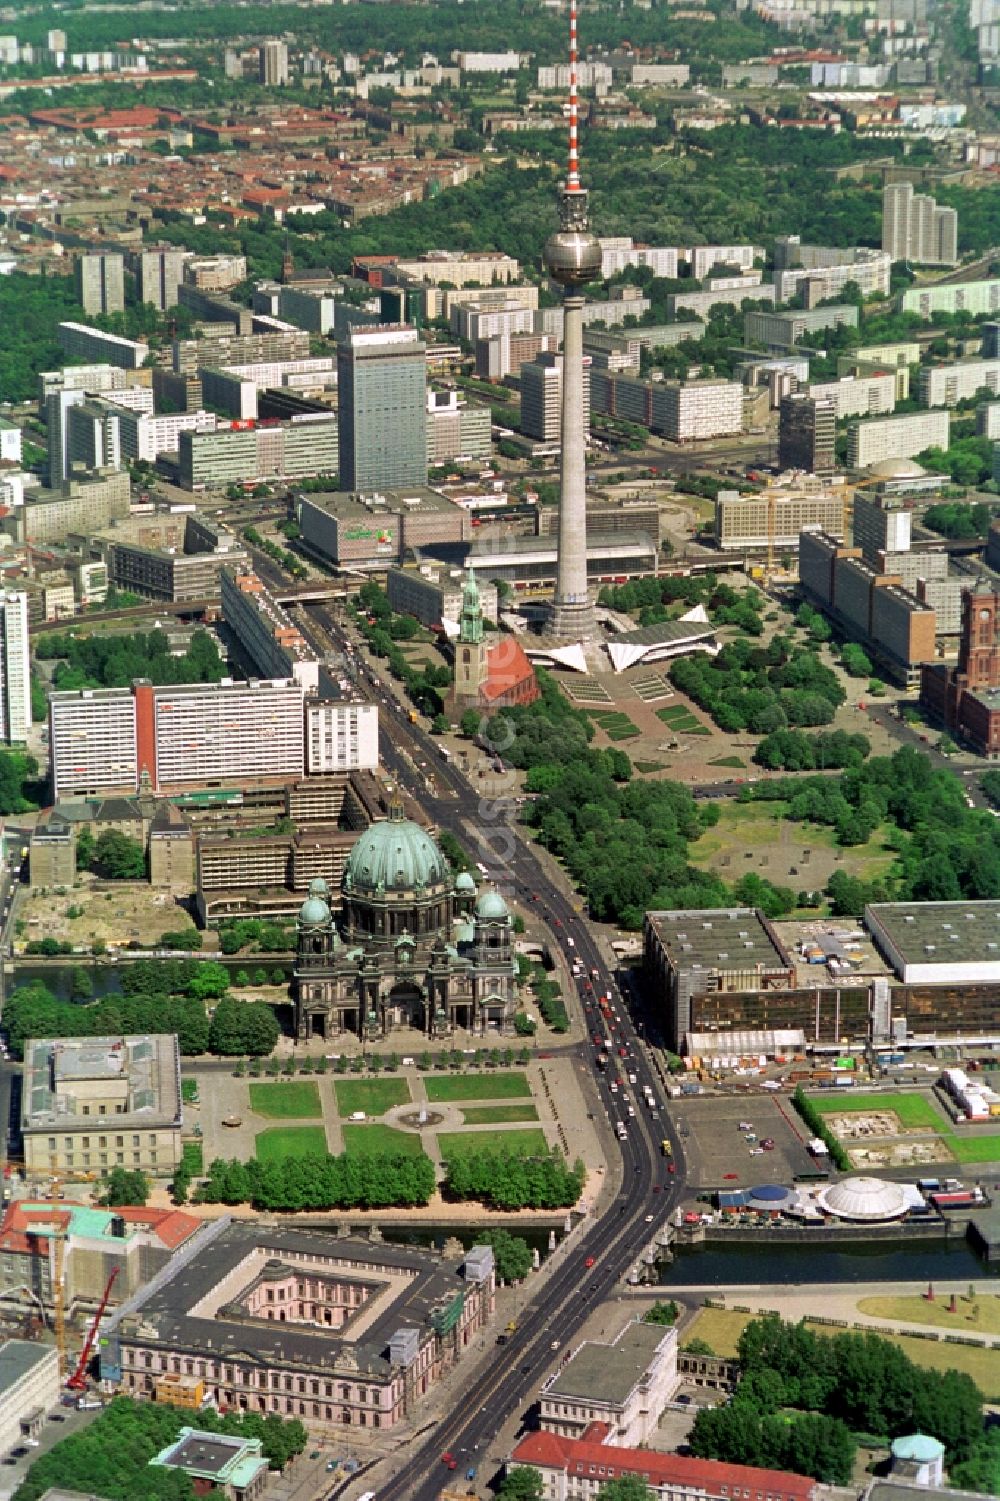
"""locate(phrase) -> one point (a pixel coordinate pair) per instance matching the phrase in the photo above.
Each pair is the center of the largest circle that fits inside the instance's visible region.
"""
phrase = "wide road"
(616, 1238)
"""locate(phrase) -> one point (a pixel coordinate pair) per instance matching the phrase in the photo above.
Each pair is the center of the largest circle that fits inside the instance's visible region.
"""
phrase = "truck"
(506, 1334)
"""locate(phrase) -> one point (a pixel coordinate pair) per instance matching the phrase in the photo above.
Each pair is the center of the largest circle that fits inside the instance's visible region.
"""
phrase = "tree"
(625, 1488)
(521, 1484)
(210, 980)
(81, 985)
(84, 848)
(511, 1253)
(661, 1313)
(469, 723)
(439, 724)
(243, 1027)
(124, 1186)
(119, 858)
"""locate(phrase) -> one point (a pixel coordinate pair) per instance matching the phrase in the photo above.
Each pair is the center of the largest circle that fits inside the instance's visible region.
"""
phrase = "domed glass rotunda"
(415, 948)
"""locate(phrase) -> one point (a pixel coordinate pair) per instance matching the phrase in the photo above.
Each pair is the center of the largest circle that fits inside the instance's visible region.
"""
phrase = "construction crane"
(78, 1381)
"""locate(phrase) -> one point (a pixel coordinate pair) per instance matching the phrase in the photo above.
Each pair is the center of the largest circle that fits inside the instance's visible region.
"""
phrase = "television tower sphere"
(573, 254)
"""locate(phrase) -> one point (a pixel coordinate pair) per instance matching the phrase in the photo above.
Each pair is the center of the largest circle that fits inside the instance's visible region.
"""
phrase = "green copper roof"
(917, 1446)
(491, 905)
(315, 909)
(396, 855)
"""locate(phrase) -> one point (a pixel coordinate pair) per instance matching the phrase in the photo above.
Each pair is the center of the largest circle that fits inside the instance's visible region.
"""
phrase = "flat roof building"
(220, 1464)
(624, 1384)
(973, 297)
(753, 522)
(91, 1104)
(29, 1387)
(947, 385)
(184, 735)
(685, 952)
(785, 330)
(264, 631)
(81, 342)
(376, 531)
(366, 1328)
(938, 943)
(871, 441)
(382, 408)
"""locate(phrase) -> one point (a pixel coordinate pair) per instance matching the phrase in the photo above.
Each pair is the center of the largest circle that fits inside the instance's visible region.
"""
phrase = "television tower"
(573, 258)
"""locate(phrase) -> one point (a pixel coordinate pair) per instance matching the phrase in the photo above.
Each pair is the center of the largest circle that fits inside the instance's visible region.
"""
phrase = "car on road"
(447, 1457)
(650, 1218)
(589, 1262)
(555, 1344)
(671, 1167)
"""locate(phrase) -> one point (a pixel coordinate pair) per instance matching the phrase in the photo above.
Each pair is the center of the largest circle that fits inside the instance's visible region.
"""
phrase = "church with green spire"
(491, 671)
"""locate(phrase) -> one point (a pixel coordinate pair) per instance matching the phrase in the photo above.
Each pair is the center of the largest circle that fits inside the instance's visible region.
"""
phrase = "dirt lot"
(716, 1148)
(118, 911)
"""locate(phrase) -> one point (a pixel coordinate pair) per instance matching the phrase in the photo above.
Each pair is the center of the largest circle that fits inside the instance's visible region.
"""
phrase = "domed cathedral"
(416, 947)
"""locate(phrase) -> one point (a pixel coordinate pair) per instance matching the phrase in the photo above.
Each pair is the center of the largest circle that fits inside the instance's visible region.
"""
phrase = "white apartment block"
(228, 732)
(619, 252)
(487, 62)
(81, 378)
(589, 76)
(659, 75)
(743, 522)
(896, 437)
(489, 268)
(541, 397)
(859, 396)
(144, 437)
(473, 322)
(92, 740)
(15, 683)
(80, 341)
(703, 257)
(341, 737)
(702, 409)
(730, 291)
(869, 273)
(973, 297)
(915, 228)
(321, 370)
(947, 385)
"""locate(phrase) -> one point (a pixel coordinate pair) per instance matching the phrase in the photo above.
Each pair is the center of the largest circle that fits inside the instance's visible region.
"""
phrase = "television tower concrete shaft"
(573, 258)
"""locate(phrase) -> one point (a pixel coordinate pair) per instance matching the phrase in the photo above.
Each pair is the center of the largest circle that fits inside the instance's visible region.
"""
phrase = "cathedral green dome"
(464, 881)
(396, 855)
(492, 906)
(315, 909)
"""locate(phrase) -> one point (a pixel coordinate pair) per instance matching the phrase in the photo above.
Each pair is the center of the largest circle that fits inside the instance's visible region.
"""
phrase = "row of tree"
(369, 1180)
(235, 1029)
(506, 1180)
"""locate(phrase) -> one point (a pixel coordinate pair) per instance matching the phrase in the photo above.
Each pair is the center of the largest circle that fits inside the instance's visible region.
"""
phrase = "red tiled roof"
(507, 668)
(171, 1226)
(575, 1456)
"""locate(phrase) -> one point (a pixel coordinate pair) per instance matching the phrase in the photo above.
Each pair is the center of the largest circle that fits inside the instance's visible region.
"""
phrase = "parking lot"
(717, 1150)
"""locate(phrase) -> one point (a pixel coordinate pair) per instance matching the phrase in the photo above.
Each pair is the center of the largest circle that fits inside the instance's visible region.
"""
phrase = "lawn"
(453, 1088)
(751, 826)
(721, 1330)
(189, 1091)
(496, 1115)
(912, 1110)
(916, 1112)
(373, 1096)
(733, 761)
(289, 1141)
(193, 1158)
(527, 1143)
(296, 1100)
(365, 1140)
(615, 724)
(679, 718)
(917, 1310)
